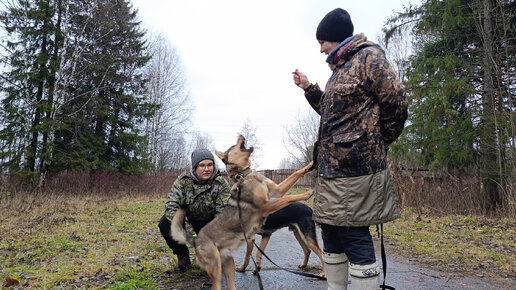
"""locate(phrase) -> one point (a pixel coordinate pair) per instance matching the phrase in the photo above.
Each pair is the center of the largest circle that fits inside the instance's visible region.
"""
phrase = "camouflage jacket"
(363, 110)
(203, 200)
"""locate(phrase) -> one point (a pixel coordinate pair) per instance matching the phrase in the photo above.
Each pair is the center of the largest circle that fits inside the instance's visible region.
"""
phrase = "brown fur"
(248, 207)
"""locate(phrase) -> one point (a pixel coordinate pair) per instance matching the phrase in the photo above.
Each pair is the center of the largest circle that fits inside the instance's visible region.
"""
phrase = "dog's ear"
(221, 155)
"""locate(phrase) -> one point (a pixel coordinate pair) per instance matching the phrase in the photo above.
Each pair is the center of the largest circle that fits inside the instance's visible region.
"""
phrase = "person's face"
(327, 46)
(204, 169)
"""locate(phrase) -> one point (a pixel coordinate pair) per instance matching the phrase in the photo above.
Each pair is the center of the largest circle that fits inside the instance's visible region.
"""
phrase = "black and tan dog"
(245, 214)
(298, 217)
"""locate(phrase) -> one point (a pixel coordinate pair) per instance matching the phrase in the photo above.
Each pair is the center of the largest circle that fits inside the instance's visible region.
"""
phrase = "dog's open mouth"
(243, 148)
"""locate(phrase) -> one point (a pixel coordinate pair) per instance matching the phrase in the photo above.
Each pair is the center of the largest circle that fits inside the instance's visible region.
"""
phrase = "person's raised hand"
(300, 79)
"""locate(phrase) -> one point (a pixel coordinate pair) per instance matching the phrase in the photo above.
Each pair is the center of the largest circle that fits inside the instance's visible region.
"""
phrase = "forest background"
(85, 89)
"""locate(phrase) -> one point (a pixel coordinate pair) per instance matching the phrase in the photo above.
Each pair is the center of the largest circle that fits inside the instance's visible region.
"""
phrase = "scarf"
(334, 55)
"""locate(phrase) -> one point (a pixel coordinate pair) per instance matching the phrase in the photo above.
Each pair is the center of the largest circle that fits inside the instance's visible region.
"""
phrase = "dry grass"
(92, 241)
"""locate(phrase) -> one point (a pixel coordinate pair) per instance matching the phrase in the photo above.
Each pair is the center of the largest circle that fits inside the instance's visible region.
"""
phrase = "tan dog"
(247, 209)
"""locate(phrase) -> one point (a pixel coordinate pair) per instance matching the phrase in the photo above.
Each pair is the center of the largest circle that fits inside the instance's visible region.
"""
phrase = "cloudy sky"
(239, 56)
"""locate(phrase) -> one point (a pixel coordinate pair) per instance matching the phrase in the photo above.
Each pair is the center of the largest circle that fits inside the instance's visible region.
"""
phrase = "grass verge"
(114, 243)
(457, 243)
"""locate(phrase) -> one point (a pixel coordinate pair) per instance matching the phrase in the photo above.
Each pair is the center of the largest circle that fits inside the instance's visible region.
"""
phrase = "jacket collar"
(347, 49)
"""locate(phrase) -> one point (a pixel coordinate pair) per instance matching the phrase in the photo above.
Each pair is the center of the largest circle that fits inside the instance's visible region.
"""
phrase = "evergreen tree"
(73, 92)
(455, 95)
(34, 41)
(108, 93)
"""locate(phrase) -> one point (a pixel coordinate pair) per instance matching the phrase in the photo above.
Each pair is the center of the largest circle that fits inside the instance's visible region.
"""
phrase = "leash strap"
(384, 258)
(289, 270)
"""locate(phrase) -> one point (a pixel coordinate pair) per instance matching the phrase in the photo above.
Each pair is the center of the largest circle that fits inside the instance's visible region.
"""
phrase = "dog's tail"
(177, 229)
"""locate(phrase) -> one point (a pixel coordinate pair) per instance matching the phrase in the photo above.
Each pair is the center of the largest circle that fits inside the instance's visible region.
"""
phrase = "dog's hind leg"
(248, 253)
(208, 257)
(302, 242)
(263, 245)
(228, 268)
(314, 246)
(279, 190)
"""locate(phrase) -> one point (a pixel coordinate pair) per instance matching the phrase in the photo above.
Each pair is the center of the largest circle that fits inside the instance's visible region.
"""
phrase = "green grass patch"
(457, 243)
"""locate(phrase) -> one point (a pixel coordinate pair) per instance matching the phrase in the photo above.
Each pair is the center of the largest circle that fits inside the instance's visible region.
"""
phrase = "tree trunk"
(489, 135)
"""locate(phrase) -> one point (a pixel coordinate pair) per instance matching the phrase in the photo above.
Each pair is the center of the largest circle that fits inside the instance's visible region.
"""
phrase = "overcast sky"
(239, 56)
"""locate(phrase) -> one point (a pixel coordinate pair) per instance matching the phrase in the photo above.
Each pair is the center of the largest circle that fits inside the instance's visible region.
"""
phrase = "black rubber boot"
(183, 263)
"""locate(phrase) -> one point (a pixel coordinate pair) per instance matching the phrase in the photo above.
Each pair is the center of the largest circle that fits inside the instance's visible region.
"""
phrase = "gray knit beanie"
(336, 26)
(199, 155)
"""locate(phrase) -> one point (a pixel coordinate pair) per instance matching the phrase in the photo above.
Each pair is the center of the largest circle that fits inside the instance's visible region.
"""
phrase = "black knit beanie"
(199, 155)
(335, 26)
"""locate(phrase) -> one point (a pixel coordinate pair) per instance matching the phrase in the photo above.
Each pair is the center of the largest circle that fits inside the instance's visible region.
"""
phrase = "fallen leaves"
(10, 282)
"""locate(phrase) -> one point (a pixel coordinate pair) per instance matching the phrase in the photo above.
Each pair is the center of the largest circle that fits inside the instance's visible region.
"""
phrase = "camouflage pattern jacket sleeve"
(201, 200)
(313, 95)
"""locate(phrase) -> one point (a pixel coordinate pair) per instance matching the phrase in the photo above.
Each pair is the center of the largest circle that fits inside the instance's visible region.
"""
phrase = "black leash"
(289, 270)
(384, 258)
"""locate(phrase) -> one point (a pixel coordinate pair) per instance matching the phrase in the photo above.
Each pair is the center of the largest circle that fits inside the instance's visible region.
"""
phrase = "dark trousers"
(164, 228)
(355, 242)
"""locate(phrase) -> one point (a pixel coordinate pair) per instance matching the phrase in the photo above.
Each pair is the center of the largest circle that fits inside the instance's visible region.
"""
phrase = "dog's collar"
(240, 173)
(234, 202)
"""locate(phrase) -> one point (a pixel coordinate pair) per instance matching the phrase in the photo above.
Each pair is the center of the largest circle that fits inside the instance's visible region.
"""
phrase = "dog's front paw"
(308, 194)
(256, 270)
(308, 167)
(240, 269)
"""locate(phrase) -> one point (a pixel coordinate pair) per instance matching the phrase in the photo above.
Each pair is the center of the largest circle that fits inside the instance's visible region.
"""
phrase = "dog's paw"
(308, 167)
(240, 269)
(308, 194)
(301, 266)
(256, 270)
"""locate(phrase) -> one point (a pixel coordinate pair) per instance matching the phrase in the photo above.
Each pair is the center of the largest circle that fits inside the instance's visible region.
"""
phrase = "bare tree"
(202, 140)
(398, 48)
(287, 163)
(166, 88)
(249, 133)
(300, 137)
(174, 156)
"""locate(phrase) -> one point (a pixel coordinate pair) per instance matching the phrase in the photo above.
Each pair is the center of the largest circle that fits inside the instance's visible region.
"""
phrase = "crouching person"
(203, 192)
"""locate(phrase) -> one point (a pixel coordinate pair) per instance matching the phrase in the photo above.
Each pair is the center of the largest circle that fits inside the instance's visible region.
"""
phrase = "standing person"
(363, 110)
(203, 192)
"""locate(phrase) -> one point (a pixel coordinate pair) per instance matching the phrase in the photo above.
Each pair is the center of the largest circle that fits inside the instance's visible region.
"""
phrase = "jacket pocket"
(349, 137)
